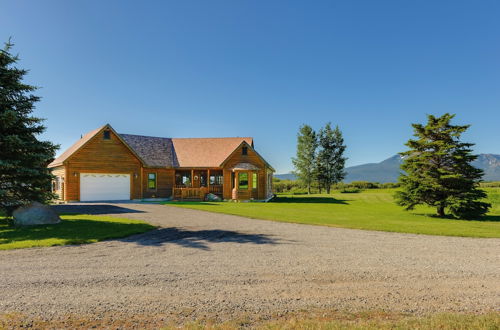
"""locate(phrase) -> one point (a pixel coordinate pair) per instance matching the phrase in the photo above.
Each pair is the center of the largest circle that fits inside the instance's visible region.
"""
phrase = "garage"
(104, 186)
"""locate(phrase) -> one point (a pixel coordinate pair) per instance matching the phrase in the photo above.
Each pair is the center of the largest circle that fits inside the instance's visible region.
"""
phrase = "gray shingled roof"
(154, 151)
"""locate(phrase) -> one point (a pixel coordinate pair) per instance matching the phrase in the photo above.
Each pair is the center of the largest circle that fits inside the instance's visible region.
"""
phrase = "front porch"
(241, 183)
(196, 184)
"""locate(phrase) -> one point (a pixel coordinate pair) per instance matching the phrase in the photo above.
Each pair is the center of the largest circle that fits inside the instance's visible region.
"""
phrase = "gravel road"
(207, 265)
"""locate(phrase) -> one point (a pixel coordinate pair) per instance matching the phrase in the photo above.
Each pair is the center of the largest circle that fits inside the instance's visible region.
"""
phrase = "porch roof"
(245, 167)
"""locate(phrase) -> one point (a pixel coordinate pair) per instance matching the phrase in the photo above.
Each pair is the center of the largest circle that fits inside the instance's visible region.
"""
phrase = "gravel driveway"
(207, 265)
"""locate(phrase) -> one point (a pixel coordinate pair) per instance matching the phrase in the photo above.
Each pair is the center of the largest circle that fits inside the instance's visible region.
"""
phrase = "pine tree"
(331, 160)
(438, 171)
(24, 176)
(304, 163)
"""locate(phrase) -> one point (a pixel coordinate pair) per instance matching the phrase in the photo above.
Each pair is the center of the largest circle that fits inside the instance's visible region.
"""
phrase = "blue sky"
(262, 68)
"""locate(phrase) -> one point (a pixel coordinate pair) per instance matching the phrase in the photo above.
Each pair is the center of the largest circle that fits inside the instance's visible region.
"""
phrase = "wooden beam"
(250, 181)
(236, 179)
(208, 180)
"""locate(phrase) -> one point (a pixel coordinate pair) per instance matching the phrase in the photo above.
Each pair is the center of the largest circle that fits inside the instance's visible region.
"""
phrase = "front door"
(196, 179)
(199, 179)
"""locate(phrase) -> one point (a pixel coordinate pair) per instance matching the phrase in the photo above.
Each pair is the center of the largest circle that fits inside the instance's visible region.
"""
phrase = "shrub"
(282, 186)
(350, 190)
(364, 184)
(494, 184)
(389, 185)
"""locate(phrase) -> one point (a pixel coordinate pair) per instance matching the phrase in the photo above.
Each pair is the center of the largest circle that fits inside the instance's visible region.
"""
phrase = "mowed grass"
(371, 209)
(73, 229)
(362, 321)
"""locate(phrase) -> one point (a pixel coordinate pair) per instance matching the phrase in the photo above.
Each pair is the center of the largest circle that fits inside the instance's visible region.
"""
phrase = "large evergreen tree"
(331, 161)
(24, 176)
(438, 171)
(304, 163)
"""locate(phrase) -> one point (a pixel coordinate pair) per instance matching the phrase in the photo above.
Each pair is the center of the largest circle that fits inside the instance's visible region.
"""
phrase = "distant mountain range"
(388, 170)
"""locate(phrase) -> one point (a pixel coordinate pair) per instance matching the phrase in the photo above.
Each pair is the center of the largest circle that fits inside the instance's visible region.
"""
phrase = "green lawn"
(361, 321)
(371, 209)
(73, 229)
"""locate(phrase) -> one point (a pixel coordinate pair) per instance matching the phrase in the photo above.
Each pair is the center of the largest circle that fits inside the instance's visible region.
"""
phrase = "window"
(183, 179)
(57, 184)
(152, 181)
(106, 135)
(254, 180)
(243, 180)
(216, 179)
(244, 151)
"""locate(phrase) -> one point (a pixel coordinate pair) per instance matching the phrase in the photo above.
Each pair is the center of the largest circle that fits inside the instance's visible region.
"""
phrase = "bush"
(494, 184)
(364, 184)
(389, 185)
(298, 191)
(283, 186)
(350, 190)
(295, 187)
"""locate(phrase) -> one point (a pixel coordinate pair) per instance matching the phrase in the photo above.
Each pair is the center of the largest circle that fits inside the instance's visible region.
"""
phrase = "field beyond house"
(372, 209)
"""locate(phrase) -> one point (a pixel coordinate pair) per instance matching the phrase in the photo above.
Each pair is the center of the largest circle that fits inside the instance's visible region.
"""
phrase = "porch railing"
(190, 193)
(183, 192)
(216, 189)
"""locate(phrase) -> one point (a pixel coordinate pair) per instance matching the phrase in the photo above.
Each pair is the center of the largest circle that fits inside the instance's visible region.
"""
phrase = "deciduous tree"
(304, 162)
(331, 161)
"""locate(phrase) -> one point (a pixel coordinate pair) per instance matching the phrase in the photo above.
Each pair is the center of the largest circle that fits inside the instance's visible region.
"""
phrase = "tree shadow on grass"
(197, 239)
(486, 218)
(327, 200)
(489, 218)
(93, 209)
(74, 231)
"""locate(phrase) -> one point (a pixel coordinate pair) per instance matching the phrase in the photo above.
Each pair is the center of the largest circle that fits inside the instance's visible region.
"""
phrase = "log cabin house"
(105, 165)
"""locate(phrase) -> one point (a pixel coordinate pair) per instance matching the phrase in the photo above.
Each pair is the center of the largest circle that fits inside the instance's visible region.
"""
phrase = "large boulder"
(35, 214)
(212, 198)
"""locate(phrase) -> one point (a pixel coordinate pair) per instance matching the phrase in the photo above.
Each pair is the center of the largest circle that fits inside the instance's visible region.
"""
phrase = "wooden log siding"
(102, 156)
(253, 159)
(165, 178)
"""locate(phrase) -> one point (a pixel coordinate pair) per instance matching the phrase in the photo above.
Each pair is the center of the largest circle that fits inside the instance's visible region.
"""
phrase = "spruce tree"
(304, 163)
(438, 171)
(331, 160)
(24, 176)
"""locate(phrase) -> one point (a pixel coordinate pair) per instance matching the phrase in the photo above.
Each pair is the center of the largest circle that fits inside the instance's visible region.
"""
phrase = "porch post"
(235, 190)
(192, 178)
(208, 180)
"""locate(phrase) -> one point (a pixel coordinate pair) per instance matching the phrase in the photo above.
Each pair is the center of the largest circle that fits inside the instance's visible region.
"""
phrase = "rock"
(212, 198)
(35, 214)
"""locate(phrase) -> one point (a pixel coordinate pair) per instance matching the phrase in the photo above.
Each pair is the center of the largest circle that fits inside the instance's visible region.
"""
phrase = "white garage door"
(104, 186)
